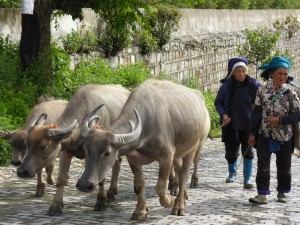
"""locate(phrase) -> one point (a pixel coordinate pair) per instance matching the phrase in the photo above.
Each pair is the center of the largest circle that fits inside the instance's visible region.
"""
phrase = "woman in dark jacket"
(234, 104)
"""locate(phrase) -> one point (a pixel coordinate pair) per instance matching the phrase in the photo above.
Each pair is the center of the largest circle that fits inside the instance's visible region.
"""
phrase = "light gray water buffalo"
(43, 140)
(45, 112)
(161, 121)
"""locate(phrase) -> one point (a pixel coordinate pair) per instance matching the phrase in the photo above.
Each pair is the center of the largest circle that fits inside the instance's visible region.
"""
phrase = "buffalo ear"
(5, 135)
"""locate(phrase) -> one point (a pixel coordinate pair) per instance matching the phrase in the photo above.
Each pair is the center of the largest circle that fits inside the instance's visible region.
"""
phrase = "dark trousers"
(233, 140)
(283, 164)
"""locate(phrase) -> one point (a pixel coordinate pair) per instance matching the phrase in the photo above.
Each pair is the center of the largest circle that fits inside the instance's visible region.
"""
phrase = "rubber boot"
(247, 173)
(232, 172)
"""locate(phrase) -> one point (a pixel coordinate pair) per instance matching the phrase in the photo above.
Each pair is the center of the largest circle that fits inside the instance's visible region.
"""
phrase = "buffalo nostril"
(85, 186)
(16, 162)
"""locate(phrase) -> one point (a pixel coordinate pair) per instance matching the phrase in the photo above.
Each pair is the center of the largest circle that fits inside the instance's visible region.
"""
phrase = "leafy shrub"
(60, 73)
(81, 41)
(291, 24)
(259, 46)
(146, 42)
(9, 61)
(163, 19)
(114, 40)
(131, 75)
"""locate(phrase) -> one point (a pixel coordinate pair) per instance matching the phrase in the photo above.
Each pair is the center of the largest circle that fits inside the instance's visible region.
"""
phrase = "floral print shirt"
(275, 105)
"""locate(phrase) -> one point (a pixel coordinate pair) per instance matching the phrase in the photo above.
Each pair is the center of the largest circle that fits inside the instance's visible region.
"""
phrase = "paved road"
(213, 202)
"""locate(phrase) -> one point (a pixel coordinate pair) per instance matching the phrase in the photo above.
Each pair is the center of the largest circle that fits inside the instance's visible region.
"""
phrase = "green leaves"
(82, 41)
(259, 46)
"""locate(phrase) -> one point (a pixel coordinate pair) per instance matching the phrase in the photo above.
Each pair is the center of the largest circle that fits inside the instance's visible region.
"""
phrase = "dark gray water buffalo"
(43, 141)
(161, 121)
(18, 138)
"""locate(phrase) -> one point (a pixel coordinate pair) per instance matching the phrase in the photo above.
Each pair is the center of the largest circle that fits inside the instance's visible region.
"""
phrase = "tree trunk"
(35, 41)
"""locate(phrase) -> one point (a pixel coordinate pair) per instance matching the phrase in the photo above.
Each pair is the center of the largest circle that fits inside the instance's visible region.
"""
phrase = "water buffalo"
(43, 140)
(53, 109)
(161, 121)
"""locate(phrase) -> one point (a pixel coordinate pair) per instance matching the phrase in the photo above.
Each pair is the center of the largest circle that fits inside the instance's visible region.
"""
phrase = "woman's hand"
(251, 140)
(226, 120)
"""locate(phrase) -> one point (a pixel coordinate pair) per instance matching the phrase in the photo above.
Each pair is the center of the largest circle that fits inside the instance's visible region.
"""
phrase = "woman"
(277, 108)
(234, 104)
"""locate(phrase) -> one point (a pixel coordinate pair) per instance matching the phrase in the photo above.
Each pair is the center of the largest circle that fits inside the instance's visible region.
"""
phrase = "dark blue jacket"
(222, 101)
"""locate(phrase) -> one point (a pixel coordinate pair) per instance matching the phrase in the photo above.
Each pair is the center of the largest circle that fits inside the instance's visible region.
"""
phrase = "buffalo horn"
(5, 134)
(85, 128)
(123, 139)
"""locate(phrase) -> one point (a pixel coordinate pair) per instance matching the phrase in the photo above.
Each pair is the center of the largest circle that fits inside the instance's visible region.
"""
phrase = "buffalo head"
(102, 147)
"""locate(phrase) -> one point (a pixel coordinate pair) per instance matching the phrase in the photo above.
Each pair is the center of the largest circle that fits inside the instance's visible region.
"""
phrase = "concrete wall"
(200, 48)
(206, 21)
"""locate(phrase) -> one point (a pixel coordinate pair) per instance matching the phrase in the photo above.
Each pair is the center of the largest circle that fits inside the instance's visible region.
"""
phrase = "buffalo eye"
(43, 147)
(106, 154)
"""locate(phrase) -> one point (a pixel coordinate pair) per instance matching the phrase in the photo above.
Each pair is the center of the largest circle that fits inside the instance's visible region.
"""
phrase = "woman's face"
(279, 76)
(240, 73)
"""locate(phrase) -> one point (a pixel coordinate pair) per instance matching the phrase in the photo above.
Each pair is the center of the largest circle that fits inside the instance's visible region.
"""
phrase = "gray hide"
(174, 123)
(67, 135)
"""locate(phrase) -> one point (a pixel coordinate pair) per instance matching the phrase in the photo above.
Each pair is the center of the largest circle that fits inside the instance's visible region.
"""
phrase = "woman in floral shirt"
(277, 108)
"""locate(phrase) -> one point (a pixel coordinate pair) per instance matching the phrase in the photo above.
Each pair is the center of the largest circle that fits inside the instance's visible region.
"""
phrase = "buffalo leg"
(141, 210)
(113, 189)
(40, 187)
(64, 166)
(165, 166)
(178, 208)
(102, 201)
(194, 178)
(173, 182)
(49, 171)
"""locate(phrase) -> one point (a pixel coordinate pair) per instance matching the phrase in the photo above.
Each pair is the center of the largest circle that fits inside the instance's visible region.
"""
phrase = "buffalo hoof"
(100, 206)
(194, 182)
(178, 212)
(40, 190)
(111, 196)
(139, 215)
(54, 210)
(50, 180)
(167, 201)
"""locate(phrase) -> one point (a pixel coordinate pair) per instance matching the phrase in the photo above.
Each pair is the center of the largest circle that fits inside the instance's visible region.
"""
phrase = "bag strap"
(278, 95)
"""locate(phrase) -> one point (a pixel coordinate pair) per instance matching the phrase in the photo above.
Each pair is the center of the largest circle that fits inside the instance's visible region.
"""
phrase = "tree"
(36, 32)
(260, 46)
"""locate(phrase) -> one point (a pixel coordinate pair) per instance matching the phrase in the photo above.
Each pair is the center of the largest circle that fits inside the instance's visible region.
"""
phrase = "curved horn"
(122, 139)
(59, 132)
(85, 128)
(40, 120)
(5, 134)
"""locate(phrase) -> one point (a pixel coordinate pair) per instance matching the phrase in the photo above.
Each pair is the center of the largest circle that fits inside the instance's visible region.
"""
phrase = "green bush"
(290, 24)
(81, 41)
(61, 73)
(114, 40)
(9, 61)
(131, 75)
(146, 42)
(164, 20)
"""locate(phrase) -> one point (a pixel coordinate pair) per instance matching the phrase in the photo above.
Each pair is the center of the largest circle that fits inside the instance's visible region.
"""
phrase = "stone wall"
(204, 58)
(200, 48)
